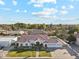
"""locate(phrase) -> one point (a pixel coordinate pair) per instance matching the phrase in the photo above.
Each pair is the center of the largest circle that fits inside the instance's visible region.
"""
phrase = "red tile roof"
(43, 37)
(24, 38)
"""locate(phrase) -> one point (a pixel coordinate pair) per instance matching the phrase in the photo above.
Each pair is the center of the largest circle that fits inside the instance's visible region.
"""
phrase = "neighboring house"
(6, 41)
(77, 37)
(28, 40)
(12, 32)
(36, 31)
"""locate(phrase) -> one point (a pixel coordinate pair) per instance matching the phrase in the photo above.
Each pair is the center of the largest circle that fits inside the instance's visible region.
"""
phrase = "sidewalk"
(52, 54)
(37, 53)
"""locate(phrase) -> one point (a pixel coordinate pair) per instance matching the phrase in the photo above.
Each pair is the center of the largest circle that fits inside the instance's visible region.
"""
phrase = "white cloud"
(53, 17)
(17, 10)
(38, 5)
(25, 11)
(14, 2)
(50, 10)
(46, 11)
(43, 1)
(63, 12)
(67, 7)
(63, 7)
(6, 9)
(71, 6)
(2, 2)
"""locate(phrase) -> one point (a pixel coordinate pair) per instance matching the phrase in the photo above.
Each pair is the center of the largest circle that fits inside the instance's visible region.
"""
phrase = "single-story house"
(28, 40)
(12, 32)
(6, 41)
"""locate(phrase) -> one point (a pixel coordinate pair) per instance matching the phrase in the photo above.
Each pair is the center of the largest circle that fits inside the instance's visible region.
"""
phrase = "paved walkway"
(37, 53)
(52, 54)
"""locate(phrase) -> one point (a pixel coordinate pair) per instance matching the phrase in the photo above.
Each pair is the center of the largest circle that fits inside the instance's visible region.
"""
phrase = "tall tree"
(71, 38)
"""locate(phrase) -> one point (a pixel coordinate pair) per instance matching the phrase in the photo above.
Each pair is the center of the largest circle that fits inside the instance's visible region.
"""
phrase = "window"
(21, 44)
(17, 44)
(26, 44)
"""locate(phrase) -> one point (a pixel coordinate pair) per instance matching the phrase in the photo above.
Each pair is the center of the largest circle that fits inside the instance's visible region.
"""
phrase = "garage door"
(50, 45)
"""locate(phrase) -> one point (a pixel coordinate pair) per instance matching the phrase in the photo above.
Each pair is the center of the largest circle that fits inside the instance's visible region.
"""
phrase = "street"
(75, 47)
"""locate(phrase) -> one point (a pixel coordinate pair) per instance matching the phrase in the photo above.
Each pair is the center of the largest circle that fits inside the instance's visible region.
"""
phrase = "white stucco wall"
(77, 41)
(15, 39)
(50, 45)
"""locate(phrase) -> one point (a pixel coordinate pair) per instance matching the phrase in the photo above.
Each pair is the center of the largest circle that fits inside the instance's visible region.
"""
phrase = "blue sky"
(39, 11)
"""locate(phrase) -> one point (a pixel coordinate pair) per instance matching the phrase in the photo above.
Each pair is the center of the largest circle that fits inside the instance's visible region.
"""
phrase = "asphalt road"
(75, 47)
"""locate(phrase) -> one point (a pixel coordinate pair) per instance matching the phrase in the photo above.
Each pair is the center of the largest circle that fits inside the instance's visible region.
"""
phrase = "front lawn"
(21, 54)
(44, 54)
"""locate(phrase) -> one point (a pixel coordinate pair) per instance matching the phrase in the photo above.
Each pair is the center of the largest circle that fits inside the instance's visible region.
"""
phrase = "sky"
(39, 11)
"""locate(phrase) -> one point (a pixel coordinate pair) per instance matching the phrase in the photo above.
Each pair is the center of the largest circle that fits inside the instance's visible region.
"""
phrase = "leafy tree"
(72, 30)
(20, 25)
(71, 38)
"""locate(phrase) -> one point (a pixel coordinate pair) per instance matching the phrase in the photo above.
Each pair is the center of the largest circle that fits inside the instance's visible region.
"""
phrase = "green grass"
(44, 54)
(21, 54)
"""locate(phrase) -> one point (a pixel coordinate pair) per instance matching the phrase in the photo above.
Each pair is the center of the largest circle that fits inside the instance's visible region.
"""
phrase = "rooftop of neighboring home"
(30, 31)
(13, 32)
(36, 31)
(76, 34)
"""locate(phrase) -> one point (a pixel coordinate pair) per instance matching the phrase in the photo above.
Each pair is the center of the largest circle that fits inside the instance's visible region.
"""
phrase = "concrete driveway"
(61, 53)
